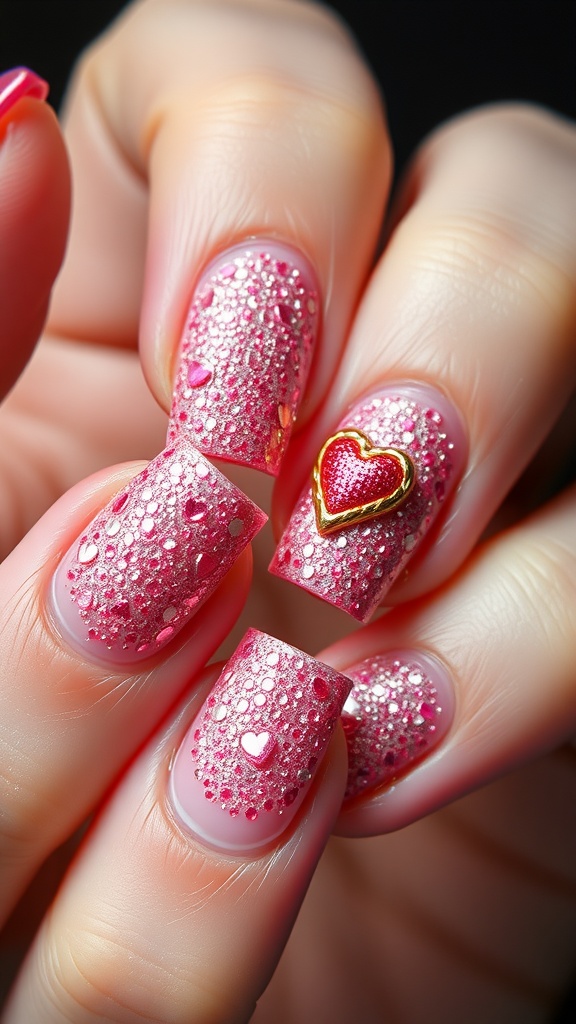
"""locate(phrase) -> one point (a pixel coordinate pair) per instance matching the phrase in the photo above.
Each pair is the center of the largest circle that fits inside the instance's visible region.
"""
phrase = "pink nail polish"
(382, 490)
(246, 763)
(245, 355)
(151, 558)
(17, 83)
(399, 708)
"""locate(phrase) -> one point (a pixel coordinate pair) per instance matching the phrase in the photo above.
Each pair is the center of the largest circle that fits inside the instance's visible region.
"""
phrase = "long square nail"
(151, 557)
(245, 355)
(378, 486)
(246, 763)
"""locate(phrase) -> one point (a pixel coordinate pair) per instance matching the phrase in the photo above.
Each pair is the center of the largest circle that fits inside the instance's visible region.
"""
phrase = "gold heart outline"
(328, 522)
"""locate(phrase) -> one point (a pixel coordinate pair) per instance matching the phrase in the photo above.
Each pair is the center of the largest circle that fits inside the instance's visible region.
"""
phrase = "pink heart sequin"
(198, 375)
(258, 748)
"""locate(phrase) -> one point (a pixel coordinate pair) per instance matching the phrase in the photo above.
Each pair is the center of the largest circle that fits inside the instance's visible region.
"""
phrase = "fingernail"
(399, 708)
(17, 83)
(245, 354)
(381, 486)
(151, 557)
(247, 761)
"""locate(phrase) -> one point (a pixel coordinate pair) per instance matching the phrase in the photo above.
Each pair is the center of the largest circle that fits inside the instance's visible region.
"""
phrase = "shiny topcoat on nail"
(245, 355)
(151, 557)
(354, 566)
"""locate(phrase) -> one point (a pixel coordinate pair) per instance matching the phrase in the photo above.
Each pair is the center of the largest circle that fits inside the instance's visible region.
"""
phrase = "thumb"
(34, 215)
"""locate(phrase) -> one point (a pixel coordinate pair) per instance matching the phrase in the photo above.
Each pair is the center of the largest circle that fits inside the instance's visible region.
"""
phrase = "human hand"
(422, 628)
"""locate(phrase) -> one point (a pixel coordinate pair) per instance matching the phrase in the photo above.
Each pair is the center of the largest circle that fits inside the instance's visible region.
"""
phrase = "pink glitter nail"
(354, 566)
(245, 764)
(18, 83)
(245, 355)
(151, 558)
(400, 707)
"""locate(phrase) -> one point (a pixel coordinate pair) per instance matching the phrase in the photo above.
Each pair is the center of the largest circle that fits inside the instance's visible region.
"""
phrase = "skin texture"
(460, 904)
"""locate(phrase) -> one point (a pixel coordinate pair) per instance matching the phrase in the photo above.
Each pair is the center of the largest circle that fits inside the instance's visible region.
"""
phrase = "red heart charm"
(354, 480)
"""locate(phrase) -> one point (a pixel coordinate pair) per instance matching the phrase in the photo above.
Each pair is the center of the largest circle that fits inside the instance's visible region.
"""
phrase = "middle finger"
(471, 308)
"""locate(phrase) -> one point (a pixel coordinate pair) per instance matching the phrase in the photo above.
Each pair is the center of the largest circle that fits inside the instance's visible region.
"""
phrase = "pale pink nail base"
(151, 558)
(400, 707)
(17, 83)
(246, 763)
(245, 355)
(355, 566)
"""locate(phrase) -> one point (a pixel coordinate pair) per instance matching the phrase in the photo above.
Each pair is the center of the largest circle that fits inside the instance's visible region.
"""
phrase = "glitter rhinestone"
(321, 688)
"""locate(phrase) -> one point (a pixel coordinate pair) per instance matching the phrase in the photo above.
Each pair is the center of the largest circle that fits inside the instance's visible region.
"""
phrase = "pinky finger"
(497, 647)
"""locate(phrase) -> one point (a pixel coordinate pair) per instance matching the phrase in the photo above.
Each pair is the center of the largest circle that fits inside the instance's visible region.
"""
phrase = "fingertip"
(34, 215)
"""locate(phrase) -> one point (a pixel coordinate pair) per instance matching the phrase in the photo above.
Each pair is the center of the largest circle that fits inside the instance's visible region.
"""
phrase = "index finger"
(251, 124)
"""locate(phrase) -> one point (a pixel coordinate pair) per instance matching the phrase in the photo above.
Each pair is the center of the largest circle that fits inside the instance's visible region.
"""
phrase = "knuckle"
(104, 967)
(267, 105)
(519, 132)
(549, 567)
(89, 968)
(498, 205)
(539, 565)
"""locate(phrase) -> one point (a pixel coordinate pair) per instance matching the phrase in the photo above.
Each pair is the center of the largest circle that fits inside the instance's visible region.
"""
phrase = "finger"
(149, 908)
(34, 211)
(457, 690)
(471, 309)
(260, 135)
(66, 418)
(91, 599)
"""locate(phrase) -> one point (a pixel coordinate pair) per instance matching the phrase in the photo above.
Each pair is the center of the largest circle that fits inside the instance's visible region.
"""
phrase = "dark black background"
(433, 59)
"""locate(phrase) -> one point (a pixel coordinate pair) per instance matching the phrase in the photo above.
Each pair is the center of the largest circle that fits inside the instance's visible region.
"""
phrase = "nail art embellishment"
(245, 355)
(258, 749)
(399, 708)
(247, 761)
(355, 480)
(151, 557)
(355, 563)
